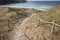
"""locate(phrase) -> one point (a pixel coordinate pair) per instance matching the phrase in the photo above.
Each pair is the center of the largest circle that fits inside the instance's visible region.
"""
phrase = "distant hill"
(11, 1)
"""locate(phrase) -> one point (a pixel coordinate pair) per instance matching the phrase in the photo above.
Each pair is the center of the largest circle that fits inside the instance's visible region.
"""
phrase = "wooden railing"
(53, 23)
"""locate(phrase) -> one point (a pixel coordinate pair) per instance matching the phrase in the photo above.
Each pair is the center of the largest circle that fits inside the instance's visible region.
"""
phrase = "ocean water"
(42, 5)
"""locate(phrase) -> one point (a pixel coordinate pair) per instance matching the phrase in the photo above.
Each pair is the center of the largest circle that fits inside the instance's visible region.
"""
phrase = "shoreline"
(43, 9)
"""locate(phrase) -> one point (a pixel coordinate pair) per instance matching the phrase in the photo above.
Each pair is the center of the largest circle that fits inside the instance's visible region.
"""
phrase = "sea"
(41, 5)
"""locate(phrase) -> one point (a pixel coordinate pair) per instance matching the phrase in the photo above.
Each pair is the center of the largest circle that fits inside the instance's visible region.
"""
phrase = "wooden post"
(53, 28)
(38, 19)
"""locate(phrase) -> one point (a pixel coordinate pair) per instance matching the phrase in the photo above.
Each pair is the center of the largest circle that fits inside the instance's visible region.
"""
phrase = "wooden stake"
(53, 28)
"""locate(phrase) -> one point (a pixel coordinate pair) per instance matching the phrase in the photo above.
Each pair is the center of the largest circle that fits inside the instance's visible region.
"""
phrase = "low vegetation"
(35, 28)
(11, 16)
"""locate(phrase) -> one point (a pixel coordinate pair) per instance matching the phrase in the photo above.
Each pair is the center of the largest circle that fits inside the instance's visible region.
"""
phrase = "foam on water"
(41, 5)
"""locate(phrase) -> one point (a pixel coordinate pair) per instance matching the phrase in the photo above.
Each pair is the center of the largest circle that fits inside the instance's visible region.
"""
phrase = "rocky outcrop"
(11, 1)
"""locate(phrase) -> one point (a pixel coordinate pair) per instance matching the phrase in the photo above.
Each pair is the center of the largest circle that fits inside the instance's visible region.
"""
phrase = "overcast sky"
(43, 0)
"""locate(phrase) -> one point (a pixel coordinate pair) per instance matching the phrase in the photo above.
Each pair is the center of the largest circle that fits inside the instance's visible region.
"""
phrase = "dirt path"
(18, 32)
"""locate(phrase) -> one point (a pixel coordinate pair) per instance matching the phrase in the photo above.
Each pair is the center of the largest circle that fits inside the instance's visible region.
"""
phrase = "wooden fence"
(53, 24)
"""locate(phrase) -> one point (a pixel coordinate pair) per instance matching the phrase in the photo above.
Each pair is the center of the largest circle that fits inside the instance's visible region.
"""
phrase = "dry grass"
(11, 16)
(35, 29)
(41, 30)
(50, 15)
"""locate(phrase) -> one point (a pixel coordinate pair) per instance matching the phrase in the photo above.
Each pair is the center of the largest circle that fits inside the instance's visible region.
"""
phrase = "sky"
(43, 0)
